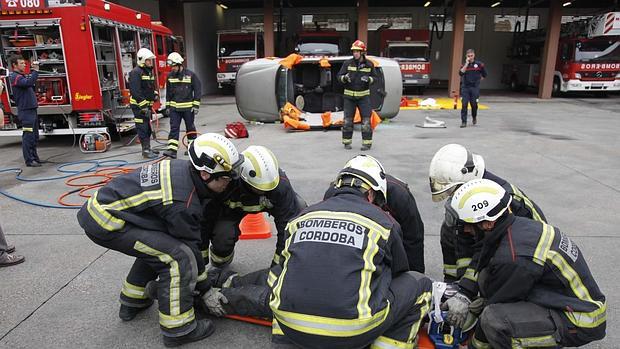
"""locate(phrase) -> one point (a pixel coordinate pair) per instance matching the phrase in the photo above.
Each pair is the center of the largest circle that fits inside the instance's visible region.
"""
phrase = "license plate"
(411, 81)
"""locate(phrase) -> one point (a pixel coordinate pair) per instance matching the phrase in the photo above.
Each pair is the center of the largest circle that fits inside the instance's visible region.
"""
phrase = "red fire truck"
(410, 48)
(86, 50)
(588, 58)
(234, 48)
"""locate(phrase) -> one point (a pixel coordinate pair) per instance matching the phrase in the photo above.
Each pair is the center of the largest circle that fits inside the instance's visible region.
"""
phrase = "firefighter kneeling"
(343, 281)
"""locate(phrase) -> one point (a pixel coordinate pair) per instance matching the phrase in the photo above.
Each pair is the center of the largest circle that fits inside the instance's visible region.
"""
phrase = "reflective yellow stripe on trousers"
(356, 93)
(534, 342)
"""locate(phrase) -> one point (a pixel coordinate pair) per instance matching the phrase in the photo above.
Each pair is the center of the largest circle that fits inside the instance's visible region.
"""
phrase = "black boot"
(127, 313)
(204, 328)
(170, 153)
(365, 147)
(147, 153)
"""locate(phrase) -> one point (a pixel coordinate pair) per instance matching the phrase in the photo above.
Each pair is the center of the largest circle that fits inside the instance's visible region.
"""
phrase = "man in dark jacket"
(154, 214)
(23, 90)
(143, 90)
(183, 92)
(357, 74)
(536, 289)
(471, 73)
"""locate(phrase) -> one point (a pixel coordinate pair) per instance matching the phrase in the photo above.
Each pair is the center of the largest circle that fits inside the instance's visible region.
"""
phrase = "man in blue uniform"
(471, 73)
(143, 90)
(23, 89)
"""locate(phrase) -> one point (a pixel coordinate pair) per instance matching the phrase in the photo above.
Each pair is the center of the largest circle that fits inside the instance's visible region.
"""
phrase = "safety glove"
(477, 306)
(346, 78)
(458, 308)
(215, 300)
(195, 110)
(365, 78)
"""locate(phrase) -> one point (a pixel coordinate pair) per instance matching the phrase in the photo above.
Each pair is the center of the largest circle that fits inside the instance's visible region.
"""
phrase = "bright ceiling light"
(496, 4)
(223, 6)
(568, 3)
(428, 3)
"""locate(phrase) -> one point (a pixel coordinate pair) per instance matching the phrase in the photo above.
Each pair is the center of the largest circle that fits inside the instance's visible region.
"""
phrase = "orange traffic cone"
(254, 226)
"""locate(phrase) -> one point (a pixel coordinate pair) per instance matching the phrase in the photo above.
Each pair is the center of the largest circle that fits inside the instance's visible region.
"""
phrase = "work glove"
(477, 306)
(346, 78)
(215, 301)
(458, 308)
(195, 110)
(365, 78)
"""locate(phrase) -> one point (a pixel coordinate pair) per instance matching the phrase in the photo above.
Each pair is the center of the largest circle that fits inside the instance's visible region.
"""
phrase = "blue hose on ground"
(94, 165)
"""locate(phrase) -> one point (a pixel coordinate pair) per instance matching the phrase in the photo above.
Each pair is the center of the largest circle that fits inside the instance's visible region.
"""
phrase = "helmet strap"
(469, 164)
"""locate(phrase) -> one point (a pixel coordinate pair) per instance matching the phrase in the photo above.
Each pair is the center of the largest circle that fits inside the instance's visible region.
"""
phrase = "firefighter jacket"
(337, 267)
(22, 87)
(183, 90)
(142, 87)
(164, 196)
(473, 74)
(356, 70)
(281, 203)
(466, 253)
(526, 260)
(402, 206)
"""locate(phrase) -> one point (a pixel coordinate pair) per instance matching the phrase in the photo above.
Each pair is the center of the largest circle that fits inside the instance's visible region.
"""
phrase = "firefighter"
(154, 214)
(344, 280)
(450, 167)
(471, 73)
(183, 92)
(23, 89)
(402, 206)
(262, 187)
(143, 90)
(357, 74)
(536, 289)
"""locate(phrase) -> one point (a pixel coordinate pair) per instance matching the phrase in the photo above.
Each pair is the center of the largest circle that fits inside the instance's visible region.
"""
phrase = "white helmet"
(144, 54)
(214, 153)
(260, 168)
(369, 170)
(452, 166)
(174, 58)
(480, 200)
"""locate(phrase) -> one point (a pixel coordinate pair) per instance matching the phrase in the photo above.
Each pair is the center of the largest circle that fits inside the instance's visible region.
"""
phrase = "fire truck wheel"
(555, 90)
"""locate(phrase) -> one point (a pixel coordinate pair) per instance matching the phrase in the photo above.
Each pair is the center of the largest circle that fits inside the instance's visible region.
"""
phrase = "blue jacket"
(22, 86)
(473, 74)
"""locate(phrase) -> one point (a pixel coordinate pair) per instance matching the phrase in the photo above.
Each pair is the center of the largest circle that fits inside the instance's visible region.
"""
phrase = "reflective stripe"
(187, 80)
(450, 270)
(475, 191)
(133, 291)
(351, 68)
(365, 70)
(425, 300)
(372, 248)
(196, 103)
(275, 328)
(138, 121)
(581, 319)
(169, 321)
(332, 327)
(347, 141)
(27, 129)
(371, 79)
(217, 259)
(518, 194)
(220, 150)
(544, 244)
(166, 182)
(276, 258)
(141, 104)
(271, 279)
(203, 276)
(478, 344)
(463, 263)
(274, 303)
(205, 253)
(103, 217)
(354, 217)
(181, 104)
(534, 342)
(148, 77)
(175, 281)
(133, 201)
(356, 93)
(471, 274)
(251, 208)
(173, 141)
(367, 141)
(389, 343)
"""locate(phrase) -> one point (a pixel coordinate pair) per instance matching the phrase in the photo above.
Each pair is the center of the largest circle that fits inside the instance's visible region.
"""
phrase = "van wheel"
(555, 89)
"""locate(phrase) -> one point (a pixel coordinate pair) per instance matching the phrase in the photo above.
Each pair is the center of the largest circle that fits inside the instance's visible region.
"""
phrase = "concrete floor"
(565, 153)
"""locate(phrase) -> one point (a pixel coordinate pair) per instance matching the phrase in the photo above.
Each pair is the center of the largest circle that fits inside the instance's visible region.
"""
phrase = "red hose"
(251, 320)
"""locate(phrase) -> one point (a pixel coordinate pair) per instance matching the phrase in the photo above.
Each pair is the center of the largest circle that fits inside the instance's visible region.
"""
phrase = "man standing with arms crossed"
(471, 73)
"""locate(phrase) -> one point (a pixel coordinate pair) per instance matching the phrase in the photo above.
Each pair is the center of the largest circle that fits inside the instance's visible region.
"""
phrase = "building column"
(362, 21)
(458, 37)
(268, 28)
(172, 15)
(547, 66)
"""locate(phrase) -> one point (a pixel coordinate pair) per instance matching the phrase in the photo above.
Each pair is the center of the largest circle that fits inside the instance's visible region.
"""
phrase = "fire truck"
(588, 58)
(234, 48)
(86, 50)
(410, 48)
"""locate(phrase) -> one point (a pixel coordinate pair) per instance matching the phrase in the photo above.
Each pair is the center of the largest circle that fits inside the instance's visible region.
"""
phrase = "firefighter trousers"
(363, 104)
(159, 255)
(527, 325)
(30, 135)
(469, 95)
(218, 243)
(409, 296)
(175, 125)
(143, 124)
